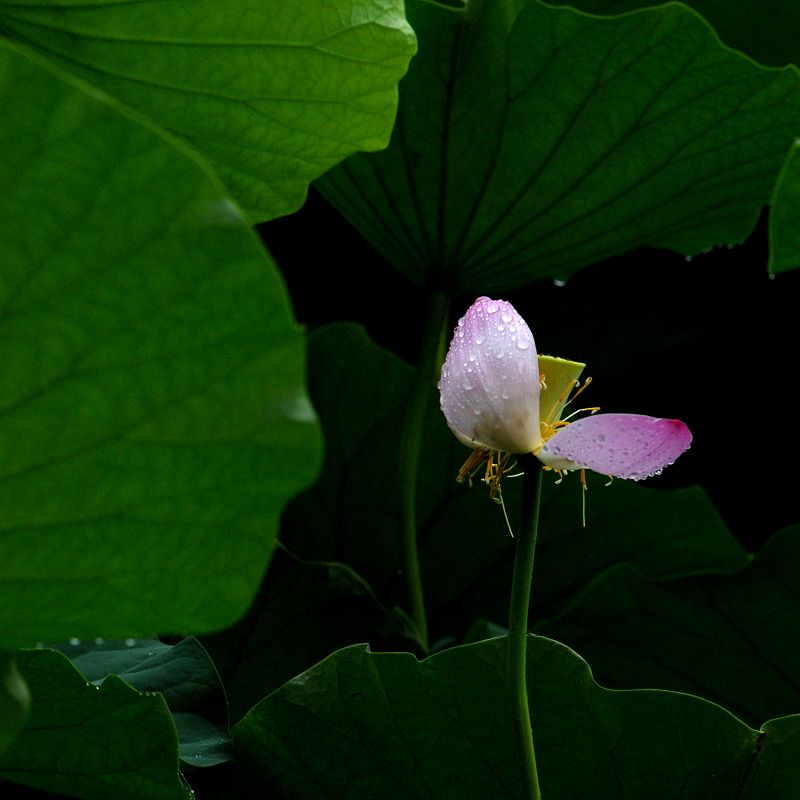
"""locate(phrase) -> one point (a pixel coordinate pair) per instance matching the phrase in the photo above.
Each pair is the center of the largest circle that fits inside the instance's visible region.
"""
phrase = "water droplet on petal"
(523, 344)
(500, 327)
(479, 339)
(491, 308)
(506, 316)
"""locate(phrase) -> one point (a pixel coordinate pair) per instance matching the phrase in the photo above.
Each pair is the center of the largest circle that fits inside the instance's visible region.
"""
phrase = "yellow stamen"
(472, 464)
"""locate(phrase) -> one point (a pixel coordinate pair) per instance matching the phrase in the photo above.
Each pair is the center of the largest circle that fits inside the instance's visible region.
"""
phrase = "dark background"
(710, 340)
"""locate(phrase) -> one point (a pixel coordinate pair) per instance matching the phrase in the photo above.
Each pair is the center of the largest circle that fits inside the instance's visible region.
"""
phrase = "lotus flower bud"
(489, 386)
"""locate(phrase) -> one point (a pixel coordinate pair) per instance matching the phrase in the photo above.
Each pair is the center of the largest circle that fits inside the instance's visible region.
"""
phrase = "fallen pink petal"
(620, 445)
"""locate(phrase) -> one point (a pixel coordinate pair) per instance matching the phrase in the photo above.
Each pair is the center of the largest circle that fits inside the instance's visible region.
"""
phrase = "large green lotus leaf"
(376, 725)
(351, 514)
(784, 232)
(273, 93)
(304, 611)
(728, 638)
(767, 31)
(153, 419)
(15, 700)
(533, 144)
(183, 673)
(90, 741)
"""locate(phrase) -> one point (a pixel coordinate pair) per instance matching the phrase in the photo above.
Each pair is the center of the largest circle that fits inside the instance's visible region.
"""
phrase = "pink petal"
(623, 445)
(489, 387)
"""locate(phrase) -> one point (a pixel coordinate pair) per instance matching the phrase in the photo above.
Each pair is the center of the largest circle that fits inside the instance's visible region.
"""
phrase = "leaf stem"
(518, 622)
(410, 447)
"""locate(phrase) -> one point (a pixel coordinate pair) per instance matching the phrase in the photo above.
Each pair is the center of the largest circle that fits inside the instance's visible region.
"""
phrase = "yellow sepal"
(559, 377)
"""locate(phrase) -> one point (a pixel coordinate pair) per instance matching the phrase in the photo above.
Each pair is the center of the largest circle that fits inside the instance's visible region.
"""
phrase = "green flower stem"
(410, 447)
(518, 621)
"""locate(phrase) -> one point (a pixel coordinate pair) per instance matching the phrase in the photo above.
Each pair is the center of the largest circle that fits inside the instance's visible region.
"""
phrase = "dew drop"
(130, 642)
(74, 641)
(523, 344)
(461, 334)
(500, 327)
(560, 282)
(99, 640)
(491, 308)
(471, 357)
(506, 317)
(479, 339)
(476, 412)
(499, 353)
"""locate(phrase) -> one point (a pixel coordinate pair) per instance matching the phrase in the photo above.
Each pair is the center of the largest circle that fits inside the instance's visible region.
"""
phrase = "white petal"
(489, 387)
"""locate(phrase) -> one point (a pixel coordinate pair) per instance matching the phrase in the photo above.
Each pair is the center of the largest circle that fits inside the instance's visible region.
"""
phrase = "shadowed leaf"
(721, 637)
(304, 611)
(92, 741)
(183, 673)
(385, 725)
(533, 144)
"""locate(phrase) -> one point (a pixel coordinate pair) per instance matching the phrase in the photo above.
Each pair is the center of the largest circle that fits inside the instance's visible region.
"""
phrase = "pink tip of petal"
(623, 445)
